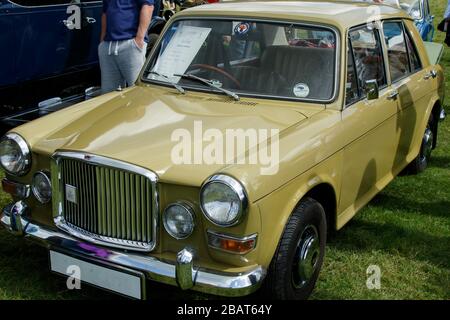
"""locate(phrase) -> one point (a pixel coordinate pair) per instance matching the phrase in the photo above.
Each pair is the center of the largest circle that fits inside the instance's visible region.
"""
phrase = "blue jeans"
(120, 63)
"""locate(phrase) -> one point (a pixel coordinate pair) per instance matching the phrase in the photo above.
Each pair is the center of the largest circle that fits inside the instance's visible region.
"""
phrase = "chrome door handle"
(431, 74)
(90, 20)
(393, 95)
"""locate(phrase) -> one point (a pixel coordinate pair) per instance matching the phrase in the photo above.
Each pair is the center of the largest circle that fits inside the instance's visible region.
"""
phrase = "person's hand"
(140, 42)
(378, 1)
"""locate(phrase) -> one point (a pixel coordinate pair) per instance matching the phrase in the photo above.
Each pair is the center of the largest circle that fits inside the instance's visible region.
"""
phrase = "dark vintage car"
(48, 50)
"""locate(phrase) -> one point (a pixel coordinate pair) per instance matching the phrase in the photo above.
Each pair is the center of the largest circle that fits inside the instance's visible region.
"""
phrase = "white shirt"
(447, 11)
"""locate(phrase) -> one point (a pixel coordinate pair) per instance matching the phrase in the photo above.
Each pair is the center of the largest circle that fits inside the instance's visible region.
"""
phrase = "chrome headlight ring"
(232, 191)
(41, 180)
(189, 220)
(25, 154)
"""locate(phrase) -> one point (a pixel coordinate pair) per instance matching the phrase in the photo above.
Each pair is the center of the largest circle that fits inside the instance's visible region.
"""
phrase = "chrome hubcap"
(427, 144)
(306, 257)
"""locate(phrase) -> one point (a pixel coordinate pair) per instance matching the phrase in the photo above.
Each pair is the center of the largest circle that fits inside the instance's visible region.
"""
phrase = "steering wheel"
(218, 70)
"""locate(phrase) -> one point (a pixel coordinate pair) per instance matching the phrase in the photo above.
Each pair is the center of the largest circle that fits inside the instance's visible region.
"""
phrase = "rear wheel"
(420, 163)
(297, 262)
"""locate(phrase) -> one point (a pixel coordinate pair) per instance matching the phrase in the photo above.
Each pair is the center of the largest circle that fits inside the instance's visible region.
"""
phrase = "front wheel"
(296, 264)
(420, 163)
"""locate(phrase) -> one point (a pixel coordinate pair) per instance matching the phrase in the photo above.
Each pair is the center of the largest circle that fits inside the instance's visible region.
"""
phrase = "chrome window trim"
(24, 148)
(189, 208)
(95, 238)
(330, 27)
(237, 187)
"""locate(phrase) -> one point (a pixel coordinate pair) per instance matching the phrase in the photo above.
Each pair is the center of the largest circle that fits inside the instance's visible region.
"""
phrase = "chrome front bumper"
(183, 273)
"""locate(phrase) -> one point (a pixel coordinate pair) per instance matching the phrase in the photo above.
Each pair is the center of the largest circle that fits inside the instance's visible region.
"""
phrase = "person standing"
(444, 26)
(123, 41)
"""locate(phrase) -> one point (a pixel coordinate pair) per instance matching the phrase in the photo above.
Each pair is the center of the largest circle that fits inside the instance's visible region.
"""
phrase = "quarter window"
(351, 86)
(397, 51)
(413, 56)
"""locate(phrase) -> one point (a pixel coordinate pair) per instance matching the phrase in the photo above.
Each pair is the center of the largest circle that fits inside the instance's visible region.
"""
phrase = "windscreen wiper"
(209, 83)
(176, 86)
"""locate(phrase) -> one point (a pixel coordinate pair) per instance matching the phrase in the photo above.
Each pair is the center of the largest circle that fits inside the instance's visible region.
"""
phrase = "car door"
(83, 50)
(7, 56)
(40, 38)
(411, 83)
(368, 125)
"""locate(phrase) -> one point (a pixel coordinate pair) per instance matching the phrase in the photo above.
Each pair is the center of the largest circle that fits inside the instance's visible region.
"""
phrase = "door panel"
(42, 40)
(370, 157)
(413, 100)
(7, 52)
(84, 43)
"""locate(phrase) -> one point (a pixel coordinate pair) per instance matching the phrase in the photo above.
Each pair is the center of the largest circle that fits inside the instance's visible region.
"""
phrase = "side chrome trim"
(204, 280)
(77, 232)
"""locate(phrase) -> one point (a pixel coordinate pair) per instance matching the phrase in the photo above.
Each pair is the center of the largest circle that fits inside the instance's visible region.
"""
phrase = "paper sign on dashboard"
(180, 52)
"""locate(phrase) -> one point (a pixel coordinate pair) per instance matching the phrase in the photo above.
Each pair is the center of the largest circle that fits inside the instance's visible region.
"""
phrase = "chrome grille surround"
(102, 162)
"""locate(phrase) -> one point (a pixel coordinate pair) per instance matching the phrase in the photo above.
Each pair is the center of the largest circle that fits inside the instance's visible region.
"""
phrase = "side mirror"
(371, 89)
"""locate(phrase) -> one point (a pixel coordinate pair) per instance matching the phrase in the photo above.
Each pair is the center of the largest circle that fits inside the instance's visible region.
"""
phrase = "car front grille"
(111, 204)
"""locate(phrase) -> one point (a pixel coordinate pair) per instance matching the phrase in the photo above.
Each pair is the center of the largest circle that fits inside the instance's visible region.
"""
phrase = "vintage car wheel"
(297, 262)
(420, 163)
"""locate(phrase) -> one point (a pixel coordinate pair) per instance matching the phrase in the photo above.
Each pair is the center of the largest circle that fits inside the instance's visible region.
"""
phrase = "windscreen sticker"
(301, 90)
(242, 28)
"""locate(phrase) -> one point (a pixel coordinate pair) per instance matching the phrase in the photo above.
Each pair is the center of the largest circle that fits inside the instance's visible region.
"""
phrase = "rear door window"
(397, 50)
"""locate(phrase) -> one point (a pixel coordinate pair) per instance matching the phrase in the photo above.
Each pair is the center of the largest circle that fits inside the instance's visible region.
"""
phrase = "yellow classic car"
(254, 130)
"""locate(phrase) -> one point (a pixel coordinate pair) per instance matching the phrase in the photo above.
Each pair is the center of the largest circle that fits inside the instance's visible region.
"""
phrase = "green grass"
(405, 231)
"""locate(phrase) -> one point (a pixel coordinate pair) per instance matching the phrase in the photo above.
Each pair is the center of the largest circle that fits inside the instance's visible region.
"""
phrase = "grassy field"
(405, 231)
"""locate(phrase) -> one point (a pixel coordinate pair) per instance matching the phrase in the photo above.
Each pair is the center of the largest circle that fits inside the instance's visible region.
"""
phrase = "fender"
(277, 209)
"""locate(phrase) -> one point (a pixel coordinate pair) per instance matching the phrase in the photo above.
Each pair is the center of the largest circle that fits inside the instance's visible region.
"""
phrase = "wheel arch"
(325, 194)
(274, 218)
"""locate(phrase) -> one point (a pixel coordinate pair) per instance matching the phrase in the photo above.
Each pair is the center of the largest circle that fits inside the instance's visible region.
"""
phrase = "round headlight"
(15, 156)
(223, 200)
(42, 187)
(179, 220)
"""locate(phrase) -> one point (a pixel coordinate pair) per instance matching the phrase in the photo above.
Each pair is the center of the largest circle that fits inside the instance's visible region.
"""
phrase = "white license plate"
(120, 282)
